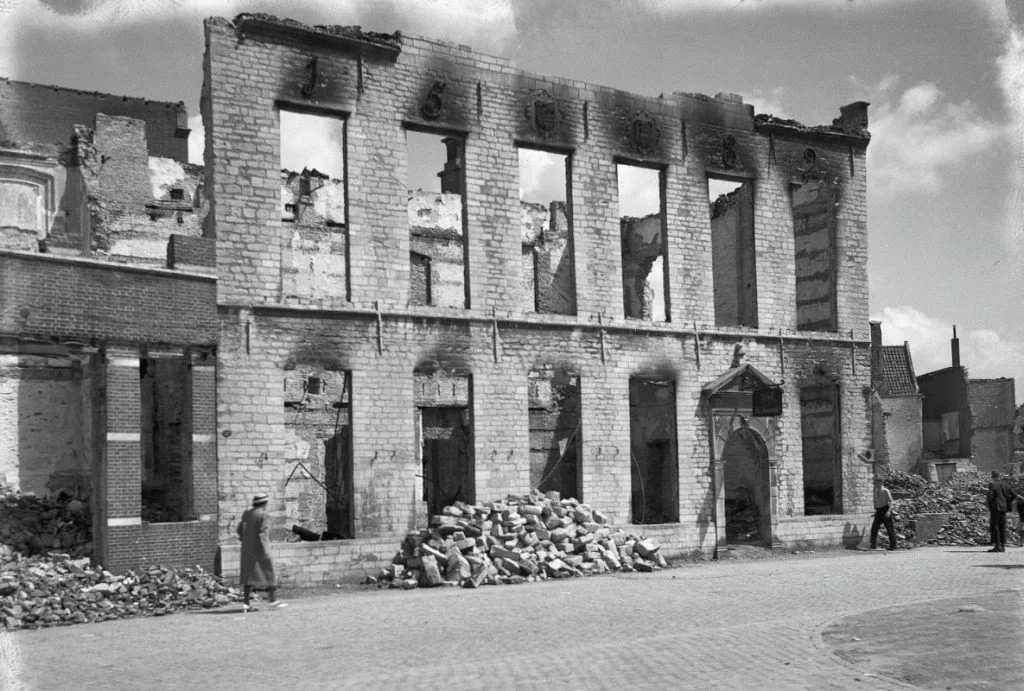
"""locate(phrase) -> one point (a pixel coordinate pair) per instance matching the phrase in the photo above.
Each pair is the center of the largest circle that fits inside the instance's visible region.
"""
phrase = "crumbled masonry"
(519, 540)
(32, 525)
(963, 496)
(46, 578)
(54, 590)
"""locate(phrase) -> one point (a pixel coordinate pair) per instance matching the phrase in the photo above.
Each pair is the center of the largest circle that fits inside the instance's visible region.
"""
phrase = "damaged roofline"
(344, 38)
(826, 136)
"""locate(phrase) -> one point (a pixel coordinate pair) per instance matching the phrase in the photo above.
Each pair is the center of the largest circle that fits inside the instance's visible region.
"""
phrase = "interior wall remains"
(733, 258)
(555, 432)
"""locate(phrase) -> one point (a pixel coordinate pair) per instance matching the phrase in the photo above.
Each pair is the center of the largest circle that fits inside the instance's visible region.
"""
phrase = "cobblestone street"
(931, 618)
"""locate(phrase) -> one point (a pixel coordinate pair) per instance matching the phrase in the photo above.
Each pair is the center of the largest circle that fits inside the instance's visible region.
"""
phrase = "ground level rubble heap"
(521, 539)
(46, 578)
(962, 496)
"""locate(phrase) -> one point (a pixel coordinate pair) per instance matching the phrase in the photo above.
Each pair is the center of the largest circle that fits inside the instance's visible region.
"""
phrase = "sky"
(945, 79)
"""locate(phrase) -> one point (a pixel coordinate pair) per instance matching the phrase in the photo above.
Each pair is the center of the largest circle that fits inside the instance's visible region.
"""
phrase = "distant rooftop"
(898, 371)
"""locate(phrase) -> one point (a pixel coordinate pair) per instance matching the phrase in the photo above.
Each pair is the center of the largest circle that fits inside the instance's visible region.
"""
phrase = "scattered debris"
(963, 496)
(519, 540)
(56, 590)
(32, 525)
(46, 578)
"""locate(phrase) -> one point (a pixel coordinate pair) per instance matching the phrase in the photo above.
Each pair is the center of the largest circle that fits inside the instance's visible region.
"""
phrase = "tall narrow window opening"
(654, 466)
(548, 283)
(444, 426)
(819, 422)
(314, 261)
(555, 431)
(436, 205)
(319, 494)
(166, 437)
(642, 225)
(814, 228)
(732, 251)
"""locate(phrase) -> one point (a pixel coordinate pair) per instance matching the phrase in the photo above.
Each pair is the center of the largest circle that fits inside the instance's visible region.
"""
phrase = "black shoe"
(995, 549)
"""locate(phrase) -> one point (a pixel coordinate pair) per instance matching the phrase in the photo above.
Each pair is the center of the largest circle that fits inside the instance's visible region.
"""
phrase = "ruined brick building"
(108, 324)
(382, 349)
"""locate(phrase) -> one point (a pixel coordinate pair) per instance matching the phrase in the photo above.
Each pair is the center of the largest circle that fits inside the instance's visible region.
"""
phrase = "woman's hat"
(260, 499)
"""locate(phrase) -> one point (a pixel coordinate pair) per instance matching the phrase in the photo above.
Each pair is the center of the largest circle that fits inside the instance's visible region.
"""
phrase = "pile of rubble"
(46, 579)
(963, 496)
(57, 591)
(528, 538)
(37, 525)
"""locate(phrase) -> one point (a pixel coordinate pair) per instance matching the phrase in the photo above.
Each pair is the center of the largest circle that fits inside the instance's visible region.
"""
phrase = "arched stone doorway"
(747, 484)
(744, 458)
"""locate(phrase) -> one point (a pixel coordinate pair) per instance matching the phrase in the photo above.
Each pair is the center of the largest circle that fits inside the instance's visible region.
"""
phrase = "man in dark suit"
(999, 498)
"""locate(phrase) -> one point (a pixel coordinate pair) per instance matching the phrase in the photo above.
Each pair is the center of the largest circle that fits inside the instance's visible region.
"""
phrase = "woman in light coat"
(257, 567)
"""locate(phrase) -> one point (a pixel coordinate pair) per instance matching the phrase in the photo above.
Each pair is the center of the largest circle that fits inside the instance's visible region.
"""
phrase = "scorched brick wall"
(255, 66)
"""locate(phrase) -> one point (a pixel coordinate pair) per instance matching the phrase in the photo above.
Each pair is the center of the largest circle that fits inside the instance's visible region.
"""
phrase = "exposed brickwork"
(903, 431)
(497, 339)
(46, 115)
(195, 253)
(173, 545)
(78, 298)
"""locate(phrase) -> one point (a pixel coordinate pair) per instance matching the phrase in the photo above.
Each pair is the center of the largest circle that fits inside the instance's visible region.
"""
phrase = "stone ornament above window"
(644, 133)
(433, 103)
(544, 114)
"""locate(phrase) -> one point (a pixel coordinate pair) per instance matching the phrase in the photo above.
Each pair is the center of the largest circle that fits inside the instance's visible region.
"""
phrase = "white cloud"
(983, 352)
(1011, 81)
(639, 191)
(196, 139)
(916, 137)
(541, 176)
(486, 25)
(769, 103)
(310, 141)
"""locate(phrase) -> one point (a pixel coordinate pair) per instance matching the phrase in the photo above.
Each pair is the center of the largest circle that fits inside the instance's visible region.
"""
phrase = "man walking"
(257, 568)
(883, 514)
(999, 498)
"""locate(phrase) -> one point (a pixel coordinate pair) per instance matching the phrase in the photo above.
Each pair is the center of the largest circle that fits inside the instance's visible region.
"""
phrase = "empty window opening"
(436, 228)
(641, 218)
(445, 431)
(819, 422)
(732, 252)
(814, 228)
(166, 438)
(314, 261)
(548, 283)
(654, 467)
(555, 427)
(747, 495)
(318, 452)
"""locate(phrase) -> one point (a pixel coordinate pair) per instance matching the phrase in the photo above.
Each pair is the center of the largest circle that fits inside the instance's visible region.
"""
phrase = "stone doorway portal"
(744, 459)
(747, 485)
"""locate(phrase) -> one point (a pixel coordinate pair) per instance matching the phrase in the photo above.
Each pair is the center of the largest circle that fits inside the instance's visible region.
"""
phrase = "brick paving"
(722, 625)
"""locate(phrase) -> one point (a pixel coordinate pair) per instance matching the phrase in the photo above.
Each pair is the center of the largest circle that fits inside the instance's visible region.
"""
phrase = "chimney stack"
(955, 346)
(877, 379)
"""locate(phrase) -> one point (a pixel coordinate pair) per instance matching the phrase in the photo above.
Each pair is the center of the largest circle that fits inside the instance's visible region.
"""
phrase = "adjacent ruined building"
(107, 319)
(387, 341)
